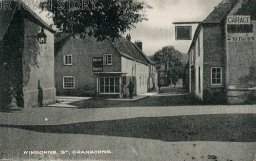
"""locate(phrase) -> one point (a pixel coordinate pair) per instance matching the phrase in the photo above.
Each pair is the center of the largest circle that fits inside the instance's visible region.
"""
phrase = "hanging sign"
(97, 64)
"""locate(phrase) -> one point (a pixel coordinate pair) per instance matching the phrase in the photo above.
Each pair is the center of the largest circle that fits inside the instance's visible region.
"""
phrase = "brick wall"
(214, 56)
(83, 51)
(214, 53)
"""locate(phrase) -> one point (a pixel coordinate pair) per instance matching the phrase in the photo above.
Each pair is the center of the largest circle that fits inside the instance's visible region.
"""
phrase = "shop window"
(68, 82)
(68, 60)
(110, 85)
(108, 59)
(216, 76)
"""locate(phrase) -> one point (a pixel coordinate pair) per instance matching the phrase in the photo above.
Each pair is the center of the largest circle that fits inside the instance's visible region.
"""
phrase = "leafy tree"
(98, 18)
(174, 59)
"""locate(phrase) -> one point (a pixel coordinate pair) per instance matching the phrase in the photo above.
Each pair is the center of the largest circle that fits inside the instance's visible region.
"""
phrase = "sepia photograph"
(127, 80)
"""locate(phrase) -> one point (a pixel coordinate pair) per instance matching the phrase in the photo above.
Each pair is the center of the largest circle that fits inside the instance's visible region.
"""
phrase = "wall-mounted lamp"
(42, 37)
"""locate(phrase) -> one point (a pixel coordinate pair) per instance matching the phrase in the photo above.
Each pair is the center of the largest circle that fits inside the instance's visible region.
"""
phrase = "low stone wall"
(241, 96)
(31, 98)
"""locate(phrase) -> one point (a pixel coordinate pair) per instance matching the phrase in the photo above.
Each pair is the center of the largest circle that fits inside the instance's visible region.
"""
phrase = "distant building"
(222, 60)
(89, 67)
(163, 78)
(26, 58)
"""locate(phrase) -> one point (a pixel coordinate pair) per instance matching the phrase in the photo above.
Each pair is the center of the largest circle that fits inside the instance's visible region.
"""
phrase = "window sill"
(217, 86)
(109, 93)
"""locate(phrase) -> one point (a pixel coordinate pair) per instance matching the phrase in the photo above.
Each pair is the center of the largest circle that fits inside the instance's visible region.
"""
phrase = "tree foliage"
(174, 59)
(98, 18)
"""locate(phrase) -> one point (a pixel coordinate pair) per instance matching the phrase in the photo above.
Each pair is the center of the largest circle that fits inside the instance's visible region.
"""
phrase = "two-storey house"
(222, 55)
(105, 68)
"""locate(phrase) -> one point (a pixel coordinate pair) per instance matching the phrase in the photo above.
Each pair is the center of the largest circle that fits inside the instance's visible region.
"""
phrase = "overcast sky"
(158, 31)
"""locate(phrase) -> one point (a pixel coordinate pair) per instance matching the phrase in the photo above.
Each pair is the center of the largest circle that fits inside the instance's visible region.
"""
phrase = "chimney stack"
(139, 44)
(128, 37)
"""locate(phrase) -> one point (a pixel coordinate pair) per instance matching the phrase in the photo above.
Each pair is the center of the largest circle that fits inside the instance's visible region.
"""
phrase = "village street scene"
(127, 80)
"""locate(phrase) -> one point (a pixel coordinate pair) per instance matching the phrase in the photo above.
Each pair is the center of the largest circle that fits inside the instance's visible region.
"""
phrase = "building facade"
(26, 59)
(222, 56)
(163, 79)
(87, 67)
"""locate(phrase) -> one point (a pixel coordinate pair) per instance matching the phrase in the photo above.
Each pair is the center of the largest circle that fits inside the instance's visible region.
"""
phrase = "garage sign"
(239, 20)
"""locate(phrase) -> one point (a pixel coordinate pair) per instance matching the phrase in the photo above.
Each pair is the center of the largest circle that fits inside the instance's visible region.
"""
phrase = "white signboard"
(238, 20)
(241, 39)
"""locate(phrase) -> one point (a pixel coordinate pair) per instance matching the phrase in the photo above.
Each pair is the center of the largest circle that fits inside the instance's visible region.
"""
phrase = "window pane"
(112, 81)
(112, 89)
(109, 59)
(101, 85)
(68, 60)
(117, 83)
(117, 89)
(216, 76)
(107, 89)
(102, 89)
(69, 82)
(107, 81)
(101, 81)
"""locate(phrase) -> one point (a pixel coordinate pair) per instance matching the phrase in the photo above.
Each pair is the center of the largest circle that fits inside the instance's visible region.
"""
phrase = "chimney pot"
(139, 44)
(128, 37)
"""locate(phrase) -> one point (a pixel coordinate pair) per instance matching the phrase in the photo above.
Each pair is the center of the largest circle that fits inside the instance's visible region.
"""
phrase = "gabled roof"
(130, 50)
(124, 47)
(5, 20)
(215, 17)
(220, 12)
(38, 19)
(6, 16)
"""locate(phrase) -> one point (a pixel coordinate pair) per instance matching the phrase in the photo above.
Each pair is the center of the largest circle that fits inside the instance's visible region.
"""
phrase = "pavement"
(67, 102)
(135, 98)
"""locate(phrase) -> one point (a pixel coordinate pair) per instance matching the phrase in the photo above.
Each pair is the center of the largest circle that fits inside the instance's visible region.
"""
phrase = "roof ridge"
(142, 53)
(36, 16)
(220, 11)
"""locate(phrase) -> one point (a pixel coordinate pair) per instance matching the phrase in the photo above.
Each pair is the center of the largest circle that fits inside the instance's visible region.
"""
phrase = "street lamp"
(42, 37)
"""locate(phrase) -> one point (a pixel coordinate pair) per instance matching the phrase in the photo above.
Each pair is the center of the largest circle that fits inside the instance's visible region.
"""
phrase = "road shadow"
(226, 128)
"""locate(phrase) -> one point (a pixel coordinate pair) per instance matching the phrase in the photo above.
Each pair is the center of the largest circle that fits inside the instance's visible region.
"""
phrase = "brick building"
(26, 58)
(88, 67)
(222, 56)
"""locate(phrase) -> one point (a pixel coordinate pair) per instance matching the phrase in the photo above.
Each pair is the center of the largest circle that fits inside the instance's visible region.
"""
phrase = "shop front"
(111, 84)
